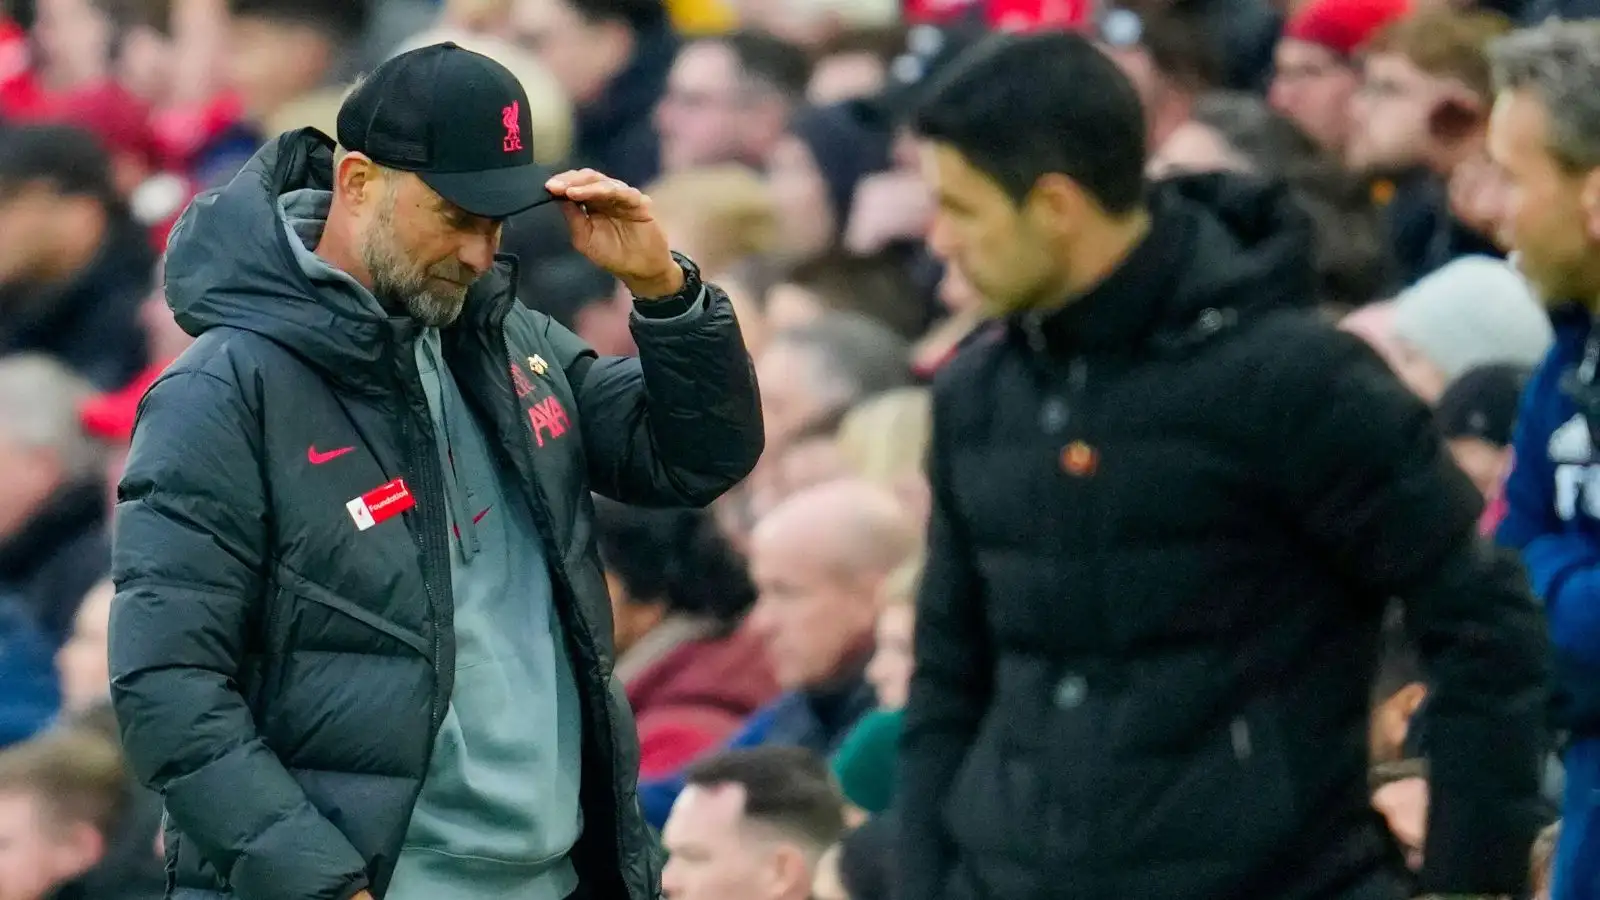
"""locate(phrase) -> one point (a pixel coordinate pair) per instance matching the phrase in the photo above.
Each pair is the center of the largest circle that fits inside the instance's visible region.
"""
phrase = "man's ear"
(1057, 204)
(355, 178)
(1589, 202)
(1458, 115)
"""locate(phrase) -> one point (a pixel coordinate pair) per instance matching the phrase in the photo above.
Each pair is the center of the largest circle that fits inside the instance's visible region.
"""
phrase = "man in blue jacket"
(1545, 133)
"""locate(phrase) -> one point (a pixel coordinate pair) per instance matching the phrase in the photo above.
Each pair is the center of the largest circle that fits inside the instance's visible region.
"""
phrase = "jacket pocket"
(298, 587)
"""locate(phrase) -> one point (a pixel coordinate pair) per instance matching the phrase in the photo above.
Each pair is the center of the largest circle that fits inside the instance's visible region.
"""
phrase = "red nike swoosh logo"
(479, 517)
(318, 459)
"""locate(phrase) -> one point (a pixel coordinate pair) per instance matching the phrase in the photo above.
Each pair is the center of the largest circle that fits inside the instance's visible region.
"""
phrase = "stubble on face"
(399, 280)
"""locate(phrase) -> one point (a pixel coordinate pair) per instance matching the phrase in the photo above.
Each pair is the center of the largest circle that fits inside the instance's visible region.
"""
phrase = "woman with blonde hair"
(885, 440)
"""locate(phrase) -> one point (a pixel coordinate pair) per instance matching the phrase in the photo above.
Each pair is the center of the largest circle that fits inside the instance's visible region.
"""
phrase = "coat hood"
(230, 264)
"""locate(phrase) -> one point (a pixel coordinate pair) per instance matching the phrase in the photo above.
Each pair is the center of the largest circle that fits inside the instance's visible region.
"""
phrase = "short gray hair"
(39, 400)
(1559, 63)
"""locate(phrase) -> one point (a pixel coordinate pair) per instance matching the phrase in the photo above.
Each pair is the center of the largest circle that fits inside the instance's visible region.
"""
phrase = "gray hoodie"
(498, 812)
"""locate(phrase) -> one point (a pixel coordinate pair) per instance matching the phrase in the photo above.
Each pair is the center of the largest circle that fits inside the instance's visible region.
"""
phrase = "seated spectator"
(52, 509)
(1472, 312)
(1477, 413)
(82, 662)
(1234, 132)
(1316, 74)
(831, 364)
(854, 65)
(1169, 56)
(866, 759)
(29, 693)
(678, 596)
(818, 562)
(723, 218)
(729, 98)
(879, 287)
(814, 169)
(279, 50)
(885, 438)
(69, 828)
(751, 825)
(73, 264)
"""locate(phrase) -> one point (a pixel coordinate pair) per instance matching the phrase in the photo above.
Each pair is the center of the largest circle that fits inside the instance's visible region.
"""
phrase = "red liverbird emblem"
(508, 118)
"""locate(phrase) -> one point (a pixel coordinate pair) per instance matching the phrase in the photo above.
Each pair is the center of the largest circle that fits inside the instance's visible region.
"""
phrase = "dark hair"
(1353, 263)
(867, 860)
(1272, 143)
(1022, 107)
(677, 557)
(856, 356)
(129, 14)
(639, 15)
(789, 788)
(69, 159)
(769, 61)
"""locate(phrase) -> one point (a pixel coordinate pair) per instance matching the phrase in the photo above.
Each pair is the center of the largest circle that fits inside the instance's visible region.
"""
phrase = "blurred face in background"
(32, 474)
(74, 41)
(1551, 212)
(1485, 463)
(808, 224)
(269, 62)
(889, 672)
(36, 853)
(814, 614)
(998, 245)
(1389, 116)
(716, 853)
(1314, 87)
(699, 117)
(583, 56)
(82, 660)
(845, 76)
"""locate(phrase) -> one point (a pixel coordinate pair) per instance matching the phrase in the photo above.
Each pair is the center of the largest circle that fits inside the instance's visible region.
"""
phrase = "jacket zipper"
(430, 564)
(558, 570)
(1078, 392)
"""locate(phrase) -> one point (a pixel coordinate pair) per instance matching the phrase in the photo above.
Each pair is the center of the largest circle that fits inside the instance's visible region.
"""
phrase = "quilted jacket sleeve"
(680, 424)
(1370, 482)
(191, 533)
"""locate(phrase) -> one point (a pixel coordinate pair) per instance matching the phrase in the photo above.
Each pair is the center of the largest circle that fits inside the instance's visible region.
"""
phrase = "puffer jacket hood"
(225, 269)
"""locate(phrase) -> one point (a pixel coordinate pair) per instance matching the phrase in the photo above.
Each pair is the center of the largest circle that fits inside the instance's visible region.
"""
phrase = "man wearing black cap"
(361, 639)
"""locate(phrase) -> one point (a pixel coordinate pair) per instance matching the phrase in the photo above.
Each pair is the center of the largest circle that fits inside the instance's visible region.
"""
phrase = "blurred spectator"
(82, 660)
(1422, 110)
(718, 215)
(854, 65)
(486, 17)
(142, 47)
(548, 107)
(1168, 54)
(865, 762)
(281, 49)
(52, 511)
(1316, 75)
(1477, 413)
(1234, 132)
(71, 826)
(885, 438)
(1545, 134)
(828, 365)
(73, 266)
(72, 45)
(729, 99)
(1475, 311)
(878, 287)
(1350, 257)
(751, 825)
(678, 596)
(819, 561)
(812, 24)
(612, 59)
(815, 168)
(963, 308)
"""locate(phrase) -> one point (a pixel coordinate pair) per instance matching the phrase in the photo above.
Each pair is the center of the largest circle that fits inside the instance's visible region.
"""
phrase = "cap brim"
(494, 194)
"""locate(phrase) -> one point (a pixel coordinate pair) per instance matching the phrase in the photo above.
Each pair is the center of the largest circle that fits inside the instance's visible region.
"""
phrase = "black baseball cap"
(458, 120)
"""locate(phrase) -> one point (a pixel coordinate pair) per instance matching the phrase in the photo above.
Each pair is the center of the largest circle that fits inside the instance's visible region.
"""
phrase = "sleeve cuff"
(679, 307)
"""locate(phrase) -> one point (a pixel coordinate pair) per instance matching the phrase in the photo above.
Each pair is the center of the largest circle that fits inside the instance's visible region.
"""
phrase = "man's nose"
(477, 252)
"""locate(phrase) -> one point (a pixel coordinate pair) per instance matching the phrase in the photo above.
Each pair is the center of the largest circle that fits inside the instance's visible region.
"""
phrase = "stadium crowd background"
(765, 131)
